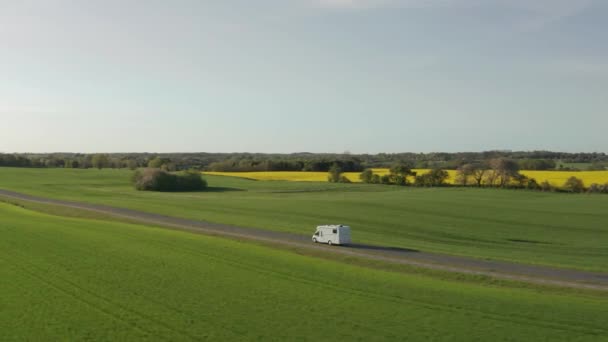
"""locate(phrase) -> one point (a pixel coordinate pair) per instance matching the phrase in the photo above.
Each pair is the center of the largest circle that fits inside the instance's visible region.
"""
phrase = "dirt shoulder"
(497, 269)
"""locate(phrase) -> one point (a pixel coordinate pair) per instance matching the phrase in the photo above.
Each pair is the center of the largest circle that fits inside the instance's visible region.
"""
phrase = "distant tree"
(435, 177)
(546, 186)
(520, 180)
(335, 173)
(422, 164)
(574, 184)
(385, 179)
(532, 184)
(401, 168)
(422, 180)
(115, 163)
(100, 161)
(366, 176)
(479, 174)
(131, 164)
(156, 163)
(536, 164)
(439, 176)
(376, 179)
(87, 161)
(464, 173)
(490, 177)
(48, 163)
(503, 171)
(168, 166)
(397, 179)
(399, 173)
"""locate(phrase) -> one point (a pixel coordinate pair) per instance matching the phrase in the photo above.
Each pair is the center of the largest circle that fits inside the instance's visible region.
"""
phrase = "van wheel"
(329, 242)
(314, 240)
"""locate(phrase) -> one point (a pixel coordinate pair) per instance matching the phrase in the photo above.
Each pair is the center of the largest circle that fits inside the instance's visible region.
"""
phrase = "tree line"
(496, 173)
(346, 164)
(528, 160)
(504, 173)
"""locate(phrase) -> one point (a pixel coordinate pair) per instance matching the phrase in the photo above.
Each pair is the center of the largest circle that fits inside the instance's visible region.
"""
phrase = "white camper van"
(335, 234)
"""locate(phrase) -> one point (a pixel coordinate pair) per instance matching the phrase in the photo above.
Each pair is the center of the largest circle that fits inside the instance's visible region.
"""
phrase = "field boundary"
(542, 275)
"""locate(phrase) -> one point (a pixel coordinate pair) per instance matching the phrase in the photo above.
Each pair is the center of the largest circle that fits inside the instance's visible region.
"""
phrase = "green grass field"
(564, 230)
(80, 279)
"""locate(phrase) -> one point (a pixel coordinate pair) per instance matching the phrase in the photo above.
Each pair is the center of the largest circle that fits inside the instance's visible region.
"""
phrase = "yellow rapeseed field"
(296, 176)
(556, 178)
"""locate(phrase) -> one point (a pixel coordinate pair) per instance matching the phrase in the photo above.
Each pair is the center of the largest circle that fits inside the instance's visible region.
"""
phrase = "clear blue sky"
(365, 76)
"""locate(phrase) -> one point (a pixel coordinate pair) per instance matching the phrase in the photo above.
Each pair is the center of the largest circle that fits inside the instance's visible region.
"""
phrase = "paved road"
(496, 269)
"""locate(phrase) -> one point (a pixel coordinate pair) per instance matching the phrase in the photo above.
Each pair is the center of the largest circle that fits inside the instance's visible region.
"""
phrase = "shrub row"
(151, 179)
(399, 173)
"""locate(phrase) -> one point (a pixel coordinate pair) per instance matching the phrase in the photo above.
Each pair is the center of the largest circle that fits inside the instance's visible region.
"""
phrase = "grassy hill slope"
(74, 279)
(567, 230)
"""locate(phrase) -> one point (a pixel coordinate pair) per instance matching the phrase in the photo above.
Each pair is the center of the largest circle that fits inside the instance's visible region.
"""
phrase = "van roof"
(333, 226)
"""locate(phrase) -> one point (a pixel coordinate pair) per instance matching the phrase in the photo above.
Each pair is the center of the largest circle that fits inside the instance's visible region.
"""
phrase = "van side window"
(335, 231)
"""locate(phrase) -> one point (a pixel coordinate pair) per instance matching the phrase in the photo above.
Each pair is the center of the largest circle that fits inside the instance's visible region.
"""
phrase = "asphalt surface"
(497, 269)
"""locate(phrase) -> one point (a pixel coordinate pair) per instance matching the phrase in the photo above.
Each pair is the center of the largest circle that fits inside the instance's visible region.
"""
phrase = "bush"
(366, 176)
(422, 180)
(385, 179)
(335, 174)
(532, 184)
(435, 177)
(546, 186)
(598, 188)
(398, 179)
(151, 179)
(100, 161)
(376, 179)
(574, 184)
(343, 179)
(190, 181)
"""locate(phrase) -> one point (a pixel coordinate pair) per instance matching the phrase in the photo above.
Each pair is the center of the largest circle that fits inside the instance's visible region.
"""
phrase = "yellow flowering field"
(296, 176)
(556, 178)
(303, 176)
